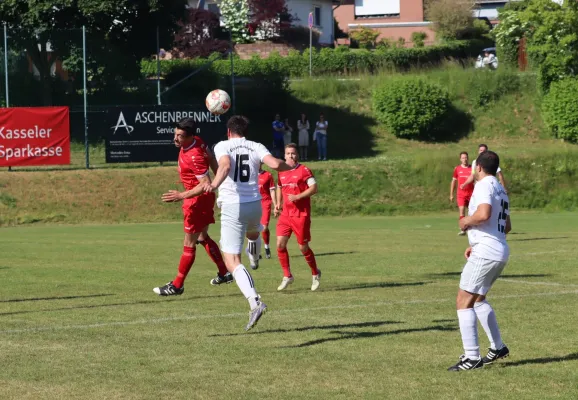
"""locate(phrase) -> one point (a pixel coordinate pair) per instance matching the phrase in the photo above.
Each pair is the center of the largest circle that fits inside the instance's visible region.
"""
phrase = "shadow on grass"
(370, 324)
(4, 267)
(55, 298)
(334, 253)
(546, 360)
(457, 125)
(376, 285)
(540, 238)
(445, 274)
(131, 303)
(526, 276)
(368, 335)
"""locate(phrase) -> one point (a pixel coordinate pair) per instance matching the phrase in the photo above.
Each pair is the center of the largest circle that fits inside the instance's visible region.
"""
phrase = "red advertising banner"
(34, 136)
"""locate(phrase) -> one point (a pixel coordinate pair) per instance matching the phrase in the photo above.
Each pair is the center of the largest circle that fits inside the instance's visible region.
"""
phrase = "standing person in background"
(288, 133)
(481, 148)
(303, 127)
(294, 191)
(461, 174)
(278, 134)
(321, 137)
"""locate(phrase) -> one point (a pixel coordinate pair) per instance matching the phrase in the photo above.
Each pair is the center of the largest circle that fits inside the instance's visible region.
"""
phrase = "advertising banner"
(145, 133)
(34, 136)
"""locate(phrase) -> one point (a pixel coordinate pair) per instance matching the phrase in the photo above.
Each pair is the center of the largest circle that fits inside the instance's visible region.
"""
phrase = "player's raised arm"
(275, 163)
(222, 171)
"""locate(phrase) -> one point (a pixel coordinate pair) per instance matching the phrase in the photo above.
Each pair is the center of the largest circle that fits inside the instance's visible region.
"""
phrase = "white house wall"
(302, 8)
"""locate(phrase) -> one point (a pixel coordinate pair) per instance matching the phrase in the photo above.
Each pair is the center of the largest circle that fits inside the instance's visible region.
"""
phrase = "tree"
(269, 18)
(119, 33)
(235, 14)
(198, 35)
(450, 18)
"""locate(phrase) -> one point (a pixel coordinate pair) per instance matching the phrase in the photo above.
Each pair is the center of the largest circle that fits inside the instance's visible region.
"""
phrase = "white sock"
(267, 246)
(487, 317)
(253, 250)
(469, 330)
(246, 284)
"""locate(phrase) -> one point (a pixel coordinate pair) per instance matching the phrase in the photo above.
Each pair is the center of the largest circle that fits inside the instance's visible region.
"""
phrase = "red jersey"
(266, 183)
(194, 165)
(462, 174)
(296, 181)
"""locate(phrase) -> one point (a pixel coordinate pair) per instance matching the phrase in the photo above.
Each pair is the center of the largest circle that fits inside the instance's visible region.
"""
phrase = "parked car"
(492, 60)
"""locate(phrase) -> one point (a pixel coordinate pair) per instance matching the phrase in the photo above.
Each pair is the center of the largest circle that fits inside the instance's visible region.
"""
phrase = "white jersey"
(474, 167)
(488, 240)
(242, 184)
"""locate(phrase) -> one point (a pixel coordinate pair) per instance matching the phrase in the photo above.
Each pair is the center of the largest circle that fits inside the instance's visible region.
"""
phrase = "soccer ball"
(218, 102)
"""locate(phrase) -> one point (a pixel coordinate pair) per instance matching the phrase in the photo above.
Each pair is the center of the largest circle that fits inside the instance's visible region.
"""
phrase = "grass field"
(78, 318)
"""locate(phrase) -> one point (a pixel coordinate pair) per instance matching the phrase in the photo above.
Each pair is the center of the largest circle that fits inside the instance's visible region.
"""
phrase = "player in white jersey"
(481, 148)
(487, 224)
(239, 199)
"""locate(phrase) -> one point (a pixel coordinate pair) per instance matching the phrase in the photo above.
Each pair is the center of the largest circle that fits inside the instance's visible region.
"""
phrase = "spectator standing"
(303, 128)
(321, 137)
(278, 134)
(288, 133)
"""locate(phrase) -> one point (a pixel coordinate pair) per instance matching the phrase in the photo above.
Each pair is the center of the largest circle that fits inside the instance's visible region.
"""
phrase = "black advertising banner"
(145, 133)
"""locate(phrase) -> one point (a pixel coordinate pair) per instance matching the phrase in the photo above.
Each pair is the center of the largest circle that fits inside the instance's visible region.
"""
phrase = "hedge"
(341, 60)
(560, 109)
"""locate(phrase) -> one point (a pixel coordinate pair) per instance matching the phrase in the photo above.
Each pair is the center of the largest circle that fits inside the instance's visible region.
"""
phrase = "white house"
(322, 14)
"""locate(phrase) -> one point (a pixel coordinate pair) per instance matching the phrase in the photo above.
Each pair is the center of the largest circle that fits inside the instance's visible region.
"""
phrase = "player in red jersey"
(461, 174)
(295, 188)
(268, 199)
(195, 160)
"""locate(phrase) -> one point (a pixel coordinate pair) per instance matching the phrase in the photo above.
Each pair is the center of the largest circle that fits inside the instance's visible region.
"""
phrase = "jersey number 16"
(242, 170)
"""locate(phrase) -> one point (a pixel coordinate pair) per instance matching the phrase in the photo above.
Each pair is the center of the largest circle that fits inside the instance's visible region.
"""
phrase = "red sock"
(462, 216)
(284, 260)
(214, 254)
(187, 260)
(310, 258)
(265, 235)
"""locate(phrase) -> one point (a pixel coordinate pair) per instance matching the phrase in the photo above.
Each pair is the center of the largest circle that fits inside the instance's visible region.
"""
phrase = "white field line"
(537, 283)
(450, 299)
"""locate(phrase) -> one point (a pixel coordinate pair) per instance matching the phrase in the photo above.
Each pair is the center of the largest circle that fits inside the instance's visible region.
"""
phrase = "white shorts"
(236, 220)
(479, 274)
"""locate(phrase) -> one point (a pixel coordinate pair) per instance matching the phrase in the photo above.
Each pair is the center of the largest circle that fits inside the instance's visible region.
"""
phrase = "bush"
(560, 109)
(411, 108)
(365, 37)
(418, 39)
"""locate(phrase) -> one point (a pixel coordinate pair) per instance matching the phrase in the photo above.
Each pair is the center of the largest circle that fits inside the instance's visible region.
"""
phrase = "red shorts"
(300, 225)
(464, 199)
(266, 216)
(198, 214)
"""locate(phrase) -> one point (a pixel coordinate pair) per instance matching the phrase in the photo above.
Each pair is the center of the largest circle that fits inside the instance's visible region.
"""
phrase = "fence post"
(158, 68)
(86, 149)
(232, 70)
(6, 69)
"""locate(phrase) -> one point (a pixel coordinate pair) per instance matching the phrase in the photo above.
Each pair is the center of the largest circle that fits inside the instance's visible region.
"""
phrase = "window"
(317, 16)
(365, 8)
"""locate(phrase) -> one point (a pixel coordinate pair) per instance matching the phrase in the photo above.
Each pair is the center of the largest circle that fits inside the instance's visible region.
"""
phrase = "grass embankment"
(377, 173)
(384, 185)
